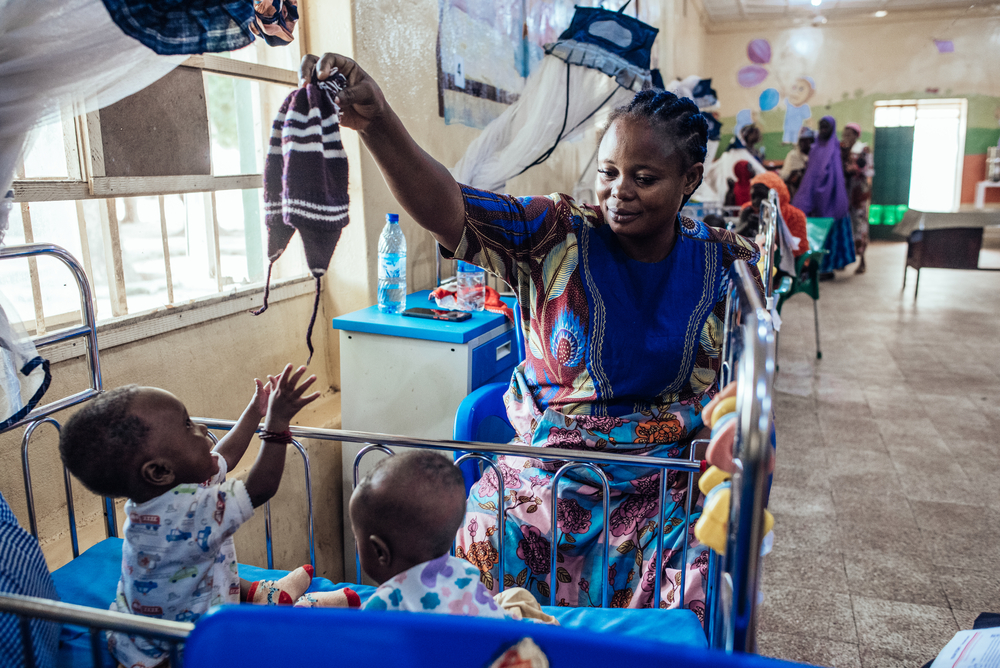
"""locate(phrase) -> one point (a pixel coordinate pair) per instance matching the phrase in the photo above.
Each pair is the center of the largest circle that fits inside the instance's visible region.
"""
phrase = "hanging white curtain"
(63, 55)
(602, 59)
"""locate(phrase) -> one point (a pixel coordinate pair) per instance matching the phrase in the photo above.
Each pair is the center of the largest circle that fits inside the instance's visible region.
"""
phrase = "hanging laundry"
(305, 181)
(274, 20)
(24, 376)
(192, 26)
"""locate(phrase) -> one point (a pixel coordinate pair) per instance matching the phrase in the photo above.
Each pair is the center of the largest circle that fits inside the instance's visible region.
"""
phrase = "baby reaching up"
(178, 557)
(405, 515)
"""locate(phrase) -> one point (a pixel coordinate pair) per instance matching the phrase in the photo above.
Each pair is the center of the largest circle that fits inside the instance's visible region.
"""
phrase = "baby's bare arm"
(234, 444)
(285, 401)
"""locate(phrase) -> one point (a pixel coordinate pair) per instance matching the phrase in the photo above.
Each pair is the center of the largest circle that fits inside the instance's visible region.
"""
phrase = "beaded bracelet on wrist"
(276, 436)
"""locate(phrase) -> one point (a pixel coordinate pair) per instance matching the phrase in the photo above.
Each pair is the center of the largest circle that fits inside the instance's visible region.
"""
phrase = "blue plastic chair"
(482, 415)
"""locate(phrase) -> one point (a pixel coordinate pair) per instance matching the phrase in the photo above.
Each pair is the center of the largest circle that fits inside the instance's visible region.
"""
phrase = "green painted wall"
(982, 129)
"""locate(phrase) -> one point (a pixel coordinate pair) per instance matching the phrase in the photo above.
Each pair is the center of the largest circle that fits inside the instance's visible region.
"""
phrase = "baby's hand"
(286, 397)
(261, 394)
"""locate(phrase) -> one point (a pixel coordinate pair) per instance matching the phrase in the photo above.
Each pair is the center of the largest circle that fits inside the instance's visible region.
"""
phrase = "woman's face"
(641, 182)
(825, 129)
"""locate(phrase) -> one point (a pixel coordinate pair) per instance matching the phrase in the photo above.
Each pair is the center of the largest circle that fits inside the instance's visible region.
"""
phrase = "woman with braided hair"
(622, 308)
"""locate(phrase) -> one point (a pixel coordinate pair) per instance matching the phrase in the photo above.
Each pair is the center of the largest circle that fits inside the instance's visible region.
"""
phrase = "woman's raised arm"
(422, 185)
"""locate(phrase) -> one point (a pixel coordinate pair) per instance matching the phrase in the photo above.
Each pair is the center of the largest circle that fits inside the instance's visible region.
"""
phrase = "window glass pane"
(242, 244)
(60, 298)
(886, 117)
(15, 282)
(98, 259)
(56, 222)
(286, 57)
(46, 155)
(235, 109)
(907, 116)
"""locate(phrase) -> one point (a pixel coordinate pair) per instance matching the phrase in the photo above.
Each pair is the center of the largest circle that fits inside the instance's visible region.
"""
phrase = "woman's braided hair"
(677, 117)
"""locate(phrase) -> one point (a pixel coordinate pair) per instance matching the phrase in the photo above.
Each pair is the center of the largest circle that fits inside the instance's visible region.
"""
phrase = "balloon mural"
(796, 96)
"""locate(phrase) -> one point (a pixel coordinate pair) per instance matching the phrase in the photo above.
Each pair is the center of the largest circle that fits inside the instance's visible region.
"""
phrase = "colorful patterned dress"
(620, 355)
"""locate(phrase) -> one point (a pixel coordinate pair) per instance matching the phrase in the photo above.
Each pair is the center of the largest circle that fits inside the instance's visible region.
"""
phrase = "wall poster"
(487, 48)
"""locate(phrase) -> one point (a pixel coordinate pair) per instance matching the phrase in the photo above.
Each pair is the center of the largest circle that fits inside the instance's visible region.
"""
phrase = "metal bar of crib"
(501, 494)
(733, 577)
(87, 330)
(605, 501)
(769, 217)
(268, 542)
(30, 607)
(384, 442)
(29, 493)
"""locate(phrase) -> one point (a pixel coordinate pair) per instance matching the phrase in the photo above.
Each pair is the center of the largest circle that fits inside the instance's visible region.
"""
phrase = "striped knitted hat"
(305, 180)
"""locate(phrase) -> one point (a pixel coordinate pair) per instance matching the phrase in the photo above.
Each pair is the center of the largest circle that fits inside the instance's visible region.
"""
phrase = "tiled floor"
(887, 488)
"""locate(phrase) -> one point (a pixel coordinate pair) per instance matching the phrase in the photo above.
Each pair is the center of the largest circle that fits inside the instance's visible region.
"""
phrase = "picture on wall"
(487, 49)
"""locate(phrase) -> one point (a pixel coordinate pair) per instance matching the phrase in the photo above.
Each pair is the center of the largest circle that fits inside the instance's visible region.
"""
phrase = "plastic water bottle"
(471, 294)
(391, 267)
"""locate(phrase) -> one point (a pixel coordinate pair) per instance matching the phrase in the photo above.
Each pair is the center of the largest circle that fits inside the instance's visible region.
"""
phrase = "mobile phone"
(437, 314)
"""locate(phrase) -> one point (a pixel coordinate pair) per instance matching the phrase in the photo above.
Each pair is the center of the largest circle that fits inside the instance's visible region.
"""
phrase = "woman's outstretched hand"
(361, 102)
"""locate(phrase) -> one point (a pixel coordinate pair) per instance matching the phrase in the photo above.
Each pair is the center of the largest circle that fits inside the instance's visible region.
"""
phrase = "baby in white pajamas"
(178, 557)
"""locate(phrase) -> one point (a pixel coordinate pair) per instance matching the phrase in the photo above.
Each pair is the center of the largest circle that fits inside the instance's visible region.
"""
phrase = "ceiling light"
(816, 3)
(880, 13)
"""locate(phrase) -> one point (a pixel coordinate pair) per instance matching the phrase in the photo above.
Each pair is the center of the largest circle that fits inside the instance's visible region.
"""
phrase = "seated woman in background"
(622, 307)
(739, 190)
(795, 220)
(794, 166)
(722, 172)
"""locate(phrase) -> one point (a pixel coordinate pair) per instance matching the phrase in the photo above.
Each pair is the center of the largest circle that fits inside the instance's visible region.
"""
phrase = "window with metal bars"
(159, 196)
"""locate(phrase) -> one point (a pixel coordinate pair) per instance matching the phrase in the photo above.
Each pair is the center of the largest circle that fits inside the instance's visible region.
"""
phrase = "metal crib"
(748, 355)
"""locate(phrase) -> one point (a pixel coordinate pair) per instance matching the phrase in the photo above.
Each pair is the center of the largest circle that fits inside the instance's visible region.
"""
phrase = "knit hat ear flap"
(305, 180)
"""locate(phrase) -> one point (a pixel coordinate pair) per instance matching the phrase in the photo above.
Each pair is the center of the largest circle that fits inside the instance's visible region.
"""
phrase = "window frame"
(87, 181)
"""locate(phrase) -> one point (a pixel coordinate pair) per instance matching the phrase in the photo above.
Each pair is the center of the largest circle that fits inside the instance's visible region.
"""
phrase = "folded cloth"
(274, 20)
(519, 603)
(192, 26)
(305, 181)
(444, 297)
(525, 654)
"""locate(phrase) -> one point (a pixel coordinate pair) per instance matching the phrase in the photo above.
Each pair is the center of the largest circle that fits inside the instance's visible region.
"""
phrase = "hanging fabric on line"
(24, 376)
(305, 181)
(274, 20)
(601, 60)
(204, 26)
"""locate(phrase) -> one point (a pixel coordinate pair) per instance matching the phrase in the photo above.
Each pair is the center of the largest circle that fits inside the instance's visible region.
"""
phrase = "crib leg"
(819, 353)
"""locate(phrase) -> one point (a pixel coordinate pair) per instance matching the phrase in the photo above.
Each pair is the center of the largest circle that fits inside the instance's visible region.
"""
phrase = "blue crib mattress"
(92, 579)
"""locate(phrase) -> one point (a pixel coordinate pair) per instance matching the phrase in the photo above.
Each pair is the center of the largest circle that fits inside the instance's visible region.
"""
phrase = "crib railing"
(29, 607)
(748, 355)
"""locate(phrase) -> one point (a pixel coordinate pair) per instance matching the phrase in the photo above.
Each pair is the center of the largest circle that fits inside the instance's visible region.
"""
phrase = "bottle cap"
(392, 217)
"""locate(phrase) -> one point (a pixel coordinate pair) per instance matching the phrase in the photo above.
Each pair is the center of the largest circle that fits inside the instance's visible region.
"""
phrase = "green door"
(893, 156)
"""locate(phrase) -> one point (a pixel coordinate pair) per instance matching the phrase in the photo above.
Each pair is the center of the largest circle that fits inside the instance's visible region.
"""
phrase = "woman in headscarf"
(741, 187)
(858, 172)
(794, 219)
(823, 194)
(718, 176)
